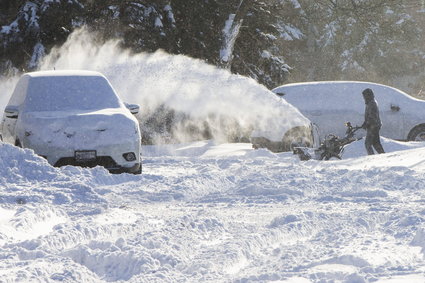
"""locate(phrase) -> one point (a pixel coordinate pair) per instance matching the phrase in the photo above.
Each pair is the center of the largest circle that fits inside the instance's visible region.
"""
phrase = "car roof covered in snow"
(339, 94)
(67, 73)
(64, 90)
(322, 86)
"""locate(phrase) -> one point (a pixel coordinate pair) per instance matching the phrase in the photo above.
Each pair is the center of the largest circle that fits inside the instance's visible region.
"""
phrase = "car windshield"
(60, 93)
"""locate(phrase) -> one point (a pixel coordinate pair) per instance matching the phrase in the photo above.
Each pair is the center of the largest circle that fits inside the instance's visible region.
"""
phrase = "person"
(372, 123)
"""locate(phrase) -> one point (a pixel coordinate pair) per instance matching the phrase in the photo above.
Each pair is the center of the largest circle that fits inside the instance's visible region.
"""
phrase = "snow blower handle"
(349, 126)
(351, 130)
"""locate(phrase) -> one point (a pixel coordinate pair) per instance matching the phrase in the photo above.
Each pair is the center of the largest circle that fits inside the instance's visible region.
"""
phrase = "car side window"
(19, 93)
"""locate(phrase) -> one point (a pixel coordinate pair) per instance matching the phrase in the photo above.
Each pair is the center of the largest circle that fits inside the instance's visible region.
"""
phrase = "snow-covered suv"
(73, 118)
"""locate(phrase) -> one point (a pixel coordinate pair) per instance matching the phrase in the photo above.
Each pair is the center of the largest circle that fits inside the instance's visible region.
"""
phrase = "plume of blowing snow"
(181, 98)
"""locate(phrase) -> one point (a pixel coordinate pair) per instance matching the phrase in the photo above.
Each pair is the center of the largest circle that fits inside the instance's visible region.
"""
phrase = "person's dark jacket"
(371, 119)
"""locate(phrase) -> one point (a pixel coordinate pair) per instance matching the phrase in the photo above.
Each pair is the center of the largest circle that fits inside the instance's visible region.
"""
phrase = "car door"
(392, 113)
(331, 105)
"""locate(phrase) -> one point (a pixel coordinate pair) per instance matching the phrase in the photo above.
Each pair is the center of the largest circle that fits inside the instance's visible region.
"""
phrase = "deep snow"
(208, 211)
(215, 212)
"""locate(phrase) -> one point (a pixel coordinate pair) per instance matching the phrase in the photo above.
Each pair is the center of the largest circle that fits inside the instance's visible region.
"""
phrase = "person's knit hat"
(368, 94)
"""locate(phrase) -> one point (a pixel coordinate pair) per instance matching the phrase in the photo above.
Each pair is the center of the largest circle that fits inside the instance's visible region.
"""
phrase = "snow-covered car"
(283, 129)
(329, 104)
(73, 118)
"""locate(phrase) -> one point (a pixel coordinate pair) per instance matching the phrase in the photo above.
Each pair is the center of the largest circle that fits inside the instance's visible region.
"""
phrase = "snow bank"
(357, 148)
(22, 164)
(28, 178)
(413, 157)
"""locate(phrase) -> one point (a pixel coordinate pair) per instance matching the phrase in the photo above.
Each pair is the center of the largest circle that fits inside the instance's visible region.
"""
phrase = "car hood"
(79, 129)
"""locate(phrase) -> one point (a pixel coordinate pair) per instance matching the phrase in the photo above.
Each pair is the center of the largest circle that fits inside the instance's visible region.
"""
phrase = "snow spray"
(181, 98)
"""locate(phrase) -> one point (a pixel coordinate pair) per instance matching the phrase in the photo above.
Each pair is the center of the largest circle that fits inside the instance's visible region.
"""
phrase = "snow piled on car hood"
(79, 129)
(215, 212)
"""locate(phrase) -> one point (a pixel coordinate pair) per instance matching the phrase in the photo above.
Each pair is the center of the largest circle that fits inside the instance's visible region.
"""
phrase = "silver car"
(73, 118)
(331, 103)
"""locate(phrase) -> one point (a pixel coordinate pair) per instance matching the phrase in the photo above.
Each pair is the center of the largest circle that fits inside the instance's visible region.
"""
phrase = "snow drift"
(215, 213)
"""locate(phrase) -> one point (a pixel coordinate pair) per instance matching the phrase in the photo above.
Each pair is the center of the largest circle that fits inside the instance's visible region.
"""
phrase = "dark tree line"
(273, 41)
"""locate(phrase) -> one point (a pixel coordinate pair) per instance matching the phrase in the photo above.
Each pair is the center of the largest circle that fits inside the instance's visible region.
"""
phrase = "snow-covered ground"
(207, 211)
(216, 212)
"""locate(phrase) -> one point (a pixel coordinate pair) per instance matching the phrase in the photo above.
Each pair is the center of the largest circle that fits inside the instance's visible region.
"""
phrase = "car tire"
(417, 133)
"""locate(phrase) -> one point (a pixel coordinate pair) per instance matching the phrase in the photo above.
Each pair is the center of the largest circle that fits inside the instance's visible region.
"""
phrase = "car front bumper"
(105, 161)
(110, 156)
(135, 169)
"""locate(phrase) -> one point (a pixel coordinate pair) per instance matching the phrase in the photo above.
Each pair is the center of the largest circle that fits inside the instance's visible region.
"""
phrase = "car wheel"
(297, 137)
(417, 133)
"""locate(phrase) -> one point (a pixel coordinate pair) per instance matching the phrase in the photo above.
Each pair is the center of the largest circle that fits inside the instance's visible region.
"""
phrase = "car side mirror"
(134, 108)
(11, 111)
